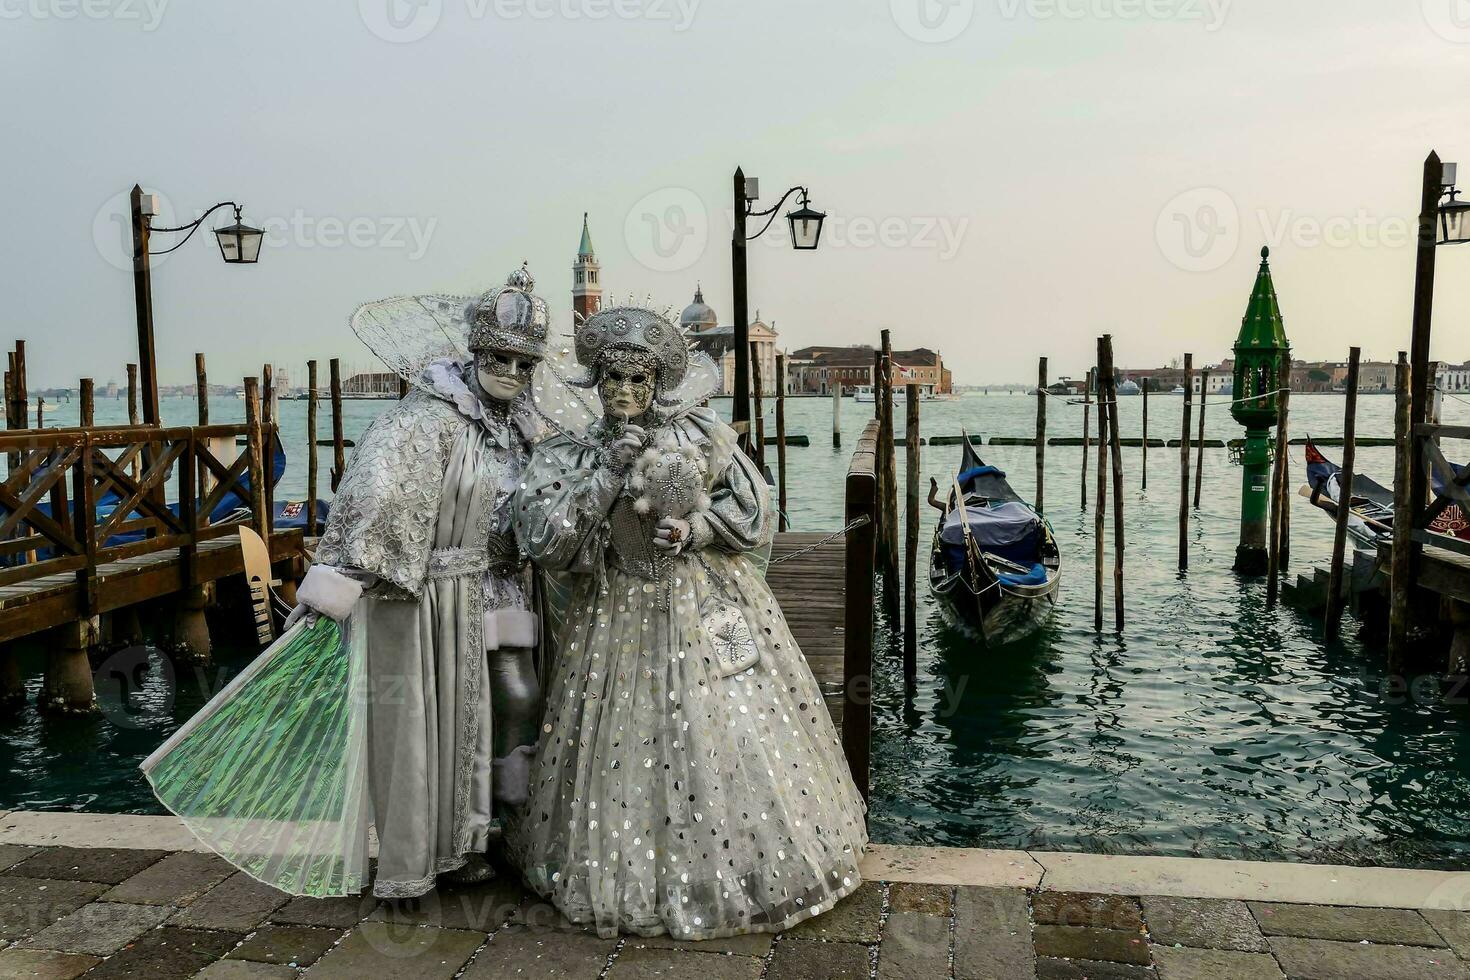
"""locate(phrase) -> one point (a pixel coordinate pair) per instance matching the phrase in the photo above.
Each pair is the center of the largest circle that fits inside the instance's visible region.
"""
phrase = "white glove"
(671, 535)
(327, 590)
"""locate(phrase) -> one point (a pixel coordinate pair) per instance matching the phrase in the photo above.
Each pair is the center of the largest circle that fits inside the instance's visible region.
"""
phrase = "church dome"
(698, 316)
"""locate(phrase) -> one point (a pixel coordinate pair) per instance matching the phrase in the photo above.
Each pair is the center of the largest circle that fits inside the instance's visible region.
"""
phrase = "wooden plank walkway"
(812, 590)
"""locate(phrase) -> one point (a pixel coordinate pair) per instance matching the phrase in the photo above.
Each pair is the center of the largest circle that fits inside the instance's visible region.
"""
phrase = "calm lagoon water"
(1210, 727)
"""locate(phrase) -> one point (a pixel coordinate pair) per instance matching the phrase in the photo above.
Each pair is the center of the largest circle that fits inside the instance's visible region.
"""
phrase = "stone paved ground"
(103, 913)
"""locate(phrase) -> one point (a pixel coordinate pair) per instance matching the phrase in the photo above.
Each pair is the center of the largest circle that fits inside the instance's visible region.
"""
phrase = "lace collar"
(445, 378)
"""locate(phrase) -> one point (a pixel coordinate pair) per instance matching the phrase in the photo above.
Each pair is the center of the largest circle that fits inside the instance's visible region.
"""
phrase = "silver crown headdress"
(510, 317)
(632, 333)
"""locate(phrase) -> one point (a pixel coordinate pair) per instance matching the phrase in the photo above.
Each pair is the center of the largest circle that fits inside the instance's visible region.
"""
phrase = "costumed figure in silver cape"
(403, 694)
(688, 779)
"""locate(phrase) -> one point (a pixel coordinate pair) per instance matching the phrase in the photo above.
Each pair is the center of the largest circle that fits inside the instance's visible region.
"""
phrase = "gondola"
(1370, 513)
(994, 563)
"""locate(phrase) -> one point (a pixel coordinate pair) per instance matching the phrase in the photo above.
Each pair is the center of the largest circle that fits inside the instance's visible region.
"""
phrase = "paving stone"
(1214, 964)
(108, 865)
(750, 944)
(1087, 943)
(101, 928)
(44, 964)
(245, 970)
(1086, 909)
(915, 947)
(238, 904)
(1206, 923)
(910, 896)
(1453, 928)
(28, 905)
(808, 959)
(13, 854)
(1050, 968)
(484, 907)
(517, 951)
(289, 945)
(332, 913)
(176, 880)
(1320, 959)
(853, 920)
(167, 954)
(675, 964)
(1390, 926)
(992, 934)
(384, 951)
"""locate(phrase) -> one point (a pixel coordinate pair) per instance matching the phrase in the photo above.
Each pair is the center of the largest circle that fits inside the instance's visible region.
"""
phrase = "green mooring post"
(1262, 366)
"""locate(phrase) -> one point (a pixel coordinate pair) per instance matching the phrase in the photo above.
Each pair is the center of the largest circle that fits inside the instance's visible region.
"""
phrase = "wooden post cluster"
(1278, 502)
(781, 437)
(1332, 617)
(911, 536)
(1403, 519)
(1041, 436)
(1184, 465)
(339, 455)
(1199, 452)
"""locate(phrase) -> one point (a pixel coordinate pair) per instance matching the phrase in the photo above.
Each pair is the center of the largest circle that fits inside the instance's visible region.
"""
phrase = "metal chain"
(852, 525)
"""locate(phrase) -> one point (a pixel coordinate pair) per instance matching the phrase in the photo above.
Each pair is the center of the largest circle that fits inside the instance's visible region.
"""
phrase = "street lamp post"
(806, 232)
(238, 244)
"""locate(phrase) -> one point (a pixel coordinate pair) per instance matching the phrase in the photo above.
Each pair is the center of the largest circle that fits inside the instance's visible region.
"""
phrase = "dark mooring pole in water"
(1184, 466)
(1403, 519)
(1332, 617)
(1099, 515)
(1086, 432)
(911, 536)
(1115, 450)
(1199, 450)
(1144, 465)
(1278, 502)
(1041, 435)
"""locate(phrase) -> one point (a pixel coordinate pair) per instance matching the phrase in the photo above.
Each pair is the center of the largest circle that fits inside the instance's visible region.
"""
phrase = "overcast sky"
(1005, 178)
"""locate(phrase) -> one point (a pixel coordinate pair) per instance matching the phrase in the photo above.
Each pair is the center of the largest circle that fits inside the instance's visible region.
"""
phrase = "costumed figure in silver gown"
(427, 723)
(688, 780)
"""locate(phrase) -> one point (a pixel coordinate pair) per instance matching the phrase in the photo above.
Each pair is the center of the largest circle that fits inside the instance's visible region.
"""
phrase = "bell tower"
(586, 278)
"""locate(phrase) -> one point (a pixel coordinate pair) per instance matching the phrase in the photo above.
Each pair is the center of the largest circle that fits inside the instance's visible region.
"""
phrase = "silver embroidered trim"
(452, 562)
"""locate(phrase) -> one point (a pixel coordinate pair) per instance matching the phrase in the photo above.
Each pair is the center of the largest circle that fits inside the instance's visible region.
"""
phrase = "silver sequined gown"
(664, 797)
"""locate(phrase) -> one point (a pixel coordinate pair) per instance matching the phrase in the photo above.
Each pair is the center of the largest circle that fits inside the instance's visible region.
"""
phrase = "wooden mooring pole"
(1041, 435)
(758, 413)
(311, 464)
(1184, 466)
(1199, 450)
(1100, 513)
(1332, 617)
(201, 388)
(1403, 519)
(888, 459)
(339, 455)
(1115, 450)
(1086, 433)
(268, 436)
(133, 410)
(254, 451)
(911, 537)
(837, 415)
(86, 395)
(781, 437)
(1143, 465)
(1278, 502)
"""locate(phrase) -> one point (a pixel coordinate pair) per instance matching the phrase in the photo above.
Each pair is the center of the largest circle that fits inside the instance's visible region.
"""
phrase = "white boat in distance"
(864, 393)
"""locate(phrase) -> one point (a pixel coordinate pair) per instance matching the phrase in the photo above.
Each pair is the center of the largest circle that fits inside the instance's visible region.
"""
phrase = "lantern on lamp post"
(1262, 370)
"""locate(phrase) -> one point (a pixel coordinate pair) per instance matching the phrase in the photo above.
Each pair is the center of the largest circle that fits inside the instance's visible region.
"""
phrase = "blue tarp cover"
(997, 525)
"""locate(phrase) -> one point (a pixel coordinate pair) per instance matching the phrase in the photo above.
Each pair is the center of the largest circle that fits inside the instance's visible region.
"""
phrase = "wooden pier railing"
(64, 561)
(860, 517)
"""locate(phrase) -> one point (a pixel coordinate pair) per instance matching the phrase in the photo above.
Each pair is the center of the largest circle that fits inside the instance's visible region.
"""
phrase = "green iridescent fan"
(271, 773)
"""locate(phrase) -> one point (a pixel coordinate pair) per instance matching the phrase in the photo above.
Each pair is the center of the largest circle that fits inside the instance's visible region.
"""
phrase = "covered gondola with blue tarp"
(995, 563)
